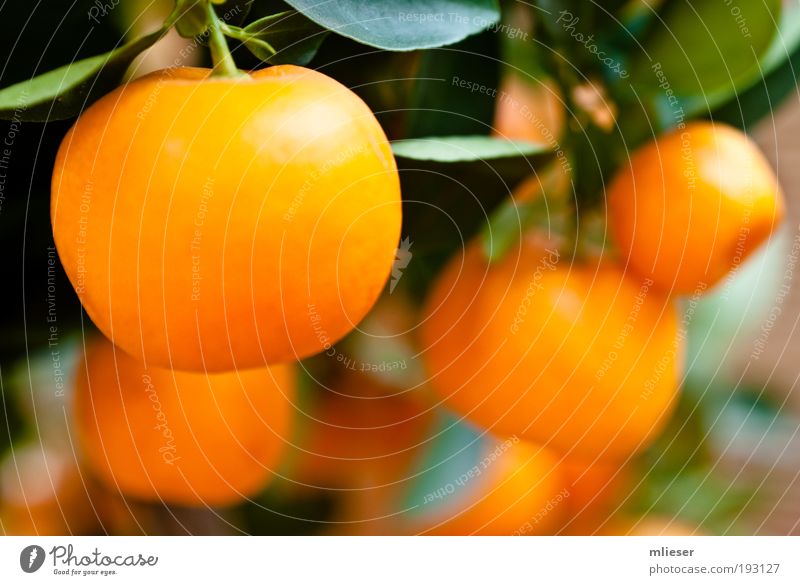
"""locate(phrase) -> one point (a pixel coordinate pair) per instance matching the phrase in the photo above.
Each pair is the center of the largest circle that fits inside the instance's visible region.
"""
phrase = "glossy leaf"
(764, 97)
(66, 91)
(402, 25)
(777, 77)
(780, 70)
(233, 12)
(454, 89)
(449, 149)
(706, 46)
(287, 37)
(785, 42)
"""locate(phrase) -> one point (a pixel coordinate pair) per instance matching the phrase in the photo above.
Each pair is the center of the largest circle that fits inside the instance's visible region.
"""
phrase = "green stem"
(224, 65)
(172, 18)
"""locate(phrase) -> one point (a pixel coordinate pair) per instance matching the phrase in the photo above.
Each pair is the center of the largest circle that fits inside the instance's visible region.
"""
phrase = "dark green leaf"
(233, 12)
(446, 205)
(402, 25)
(465, 148)
(455, 89)
(763, 98)
(288, 37)
(66, 91)
(706, 46)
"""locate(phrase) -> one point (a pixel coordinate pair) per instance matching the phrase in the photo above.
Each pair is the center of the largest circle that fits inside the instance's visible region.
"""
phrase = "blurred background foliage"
(731, 430)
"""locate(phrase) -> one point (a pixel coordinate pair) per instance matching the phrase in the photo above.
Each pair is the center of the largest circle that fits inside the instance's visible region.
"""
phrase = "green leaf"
(785, 42)
(506, 225)
(449, 149)
(763, 98)
(402, 25)
(66, 91)
(777, 77)
(287, 37)
(455, 89)
(705, 47)
(233, 12)
(680, 476)
(780, 66)
(448, 205)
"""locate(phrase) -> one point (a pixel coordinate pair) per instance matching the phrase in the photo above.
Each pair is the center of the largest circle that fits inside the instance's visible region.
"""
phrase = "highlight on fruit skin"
(216, 223)
(579, 357)
(692, 205)
(180, 437)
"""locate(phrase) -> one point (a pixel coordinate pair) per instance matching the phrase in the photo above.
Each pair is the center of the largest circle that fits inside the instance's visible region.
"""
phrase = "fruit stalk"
(224, 65)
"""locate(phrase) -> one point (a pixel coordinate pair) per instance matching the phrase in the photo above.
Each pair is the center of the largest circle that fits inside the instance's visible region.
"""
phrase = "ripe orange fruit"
(180, 437)
(581, 358)
(213, 223)
(515, 488)
(692, 205)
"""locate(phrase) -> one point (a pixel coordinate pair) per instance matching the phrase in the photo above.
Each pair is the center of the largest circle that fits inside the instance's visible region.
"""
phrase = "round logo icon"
(31, 558)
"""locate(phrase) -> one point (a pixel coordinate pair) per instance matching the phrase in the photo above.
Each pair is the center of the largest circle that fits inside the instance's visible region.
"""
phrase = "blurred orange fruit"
(692, 205)
(528, 109)
(577, 357)
(361, 434)
(213, 223)
(652, 526)
(42, 492)
(518, 489)
(180, 437)
(595, 489)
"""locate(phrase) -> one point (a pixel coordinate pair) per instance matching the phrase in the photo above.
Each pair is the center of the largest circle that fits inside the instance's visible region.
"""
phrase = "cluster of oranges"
(582, 356)
(218, 230)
